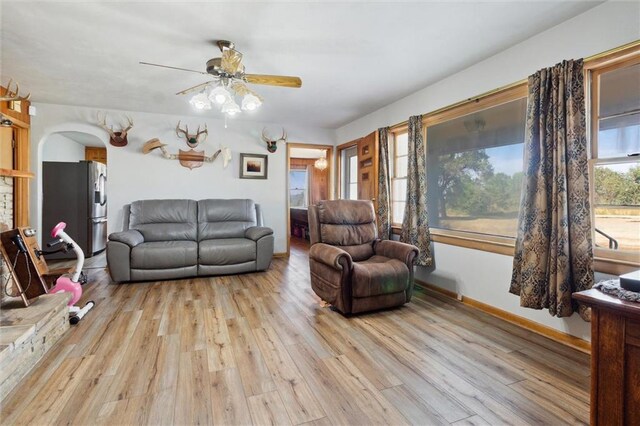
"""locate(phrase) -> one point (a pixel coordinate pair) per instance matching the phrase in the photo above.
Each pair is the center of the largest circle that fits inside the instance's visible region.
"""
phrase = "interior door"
(368, 168)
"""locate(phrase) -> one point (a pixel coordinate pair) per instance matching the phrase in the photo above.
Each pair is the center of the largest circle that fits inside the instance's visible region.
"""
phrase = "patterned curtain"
(384, 194)
(554, 253)
(415, 226)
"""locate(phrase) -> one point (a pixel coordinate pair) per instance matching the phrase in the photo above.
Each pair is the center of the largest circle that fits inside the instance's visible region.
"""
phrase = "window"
(474, 166)
(349, 173)
(298, 188)
(398, 173)
(615, 160)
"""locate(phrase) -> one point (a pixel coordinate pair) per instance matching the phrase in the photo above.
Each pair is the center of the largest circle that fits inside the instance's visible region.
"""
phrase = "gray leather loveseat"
(168, 239)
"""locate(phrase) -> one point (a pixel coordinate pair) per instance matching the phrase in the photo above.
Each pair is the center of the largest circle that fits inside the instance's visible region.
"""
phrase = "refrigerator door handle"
(103, 190)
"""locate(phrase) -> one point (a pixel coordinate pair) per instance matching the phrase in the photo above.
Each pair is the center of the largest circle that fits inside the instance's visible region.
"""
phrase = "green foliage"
(616, 188)
(468, 186)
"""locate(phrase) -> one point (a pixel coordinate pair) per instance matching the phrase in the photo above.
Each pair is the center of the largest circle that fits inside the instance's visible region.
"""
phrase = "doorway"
(309, 175)
(74, 190)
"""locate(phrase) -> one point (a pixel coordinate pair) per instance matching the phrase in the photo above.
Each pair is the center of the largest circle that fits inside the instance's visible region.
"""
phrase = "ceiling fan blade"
(231, 60)
(172, 68)
(196, 87)
(273, 80)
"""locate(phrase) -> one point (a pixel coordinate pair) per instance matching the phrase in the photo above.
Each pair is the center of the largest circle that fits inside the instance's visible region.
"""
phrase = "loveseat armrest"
(131, 237)
(396, 250)
(256, 232)
(331, 256)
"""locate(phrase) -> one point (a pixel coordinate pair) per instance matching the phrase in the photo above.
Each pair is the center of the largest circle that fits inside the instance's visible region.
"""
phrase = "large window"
(349, 173)
(298, 188)
(398, 172)
(615, 154)
(474, 167)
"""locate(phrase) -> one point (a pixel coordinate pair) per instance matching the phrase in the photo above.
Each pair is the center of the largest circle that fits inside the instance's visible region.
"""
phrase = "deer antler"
(265, 137)
(284, 136)
(185, 132)
(103, 123)
(204, 132)
(124, 130)
(13, 96)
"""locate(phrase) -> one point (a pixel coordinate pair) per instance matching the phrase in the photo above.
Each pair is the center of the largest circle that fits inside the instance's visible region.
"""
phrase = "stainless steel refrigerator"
(76, 193)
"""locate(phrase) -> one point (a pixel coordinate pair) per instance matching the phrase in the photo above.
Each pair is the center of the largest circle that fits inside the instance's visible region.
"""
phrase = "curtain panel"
(384, 192)
(415, 226)
(554, 252)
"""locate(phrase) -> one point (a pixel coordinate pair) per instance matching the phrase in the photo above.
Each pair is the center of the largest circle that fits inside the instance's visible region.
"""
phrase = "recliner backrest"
(225, 218)
(165, 220)
(348, 224)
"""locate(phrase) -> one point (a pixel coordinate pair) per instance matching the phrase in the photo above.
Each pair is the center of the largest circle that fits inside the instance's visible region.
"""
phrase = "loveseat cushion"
(225, 218)
(227, 251)
(165, 220)
(164, 255)
(379, 275)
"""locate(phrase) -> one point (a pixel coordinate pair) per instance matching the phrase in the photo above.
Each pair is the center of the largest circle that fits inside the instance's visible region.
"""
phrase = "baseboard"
(543, 330)
(280, 255)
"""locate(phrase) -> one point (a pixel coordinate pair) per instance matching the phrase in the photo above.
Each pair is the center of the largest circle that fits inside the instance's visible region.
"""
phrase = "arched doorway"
(72, 187)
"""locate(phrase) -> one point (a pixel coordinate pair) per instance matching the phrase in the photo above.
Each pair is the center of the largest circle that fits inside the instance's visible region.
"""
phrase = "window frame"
(350, 177)
(485, 242)
(306, 188)
(606, 260)
(339, 184)
(506, 245)
(393, 167)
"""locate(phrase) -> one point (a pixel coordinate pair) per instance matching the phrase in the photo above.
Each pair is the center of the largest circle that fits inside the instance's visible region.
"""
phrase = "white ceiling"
(306, 153)
(353, 57)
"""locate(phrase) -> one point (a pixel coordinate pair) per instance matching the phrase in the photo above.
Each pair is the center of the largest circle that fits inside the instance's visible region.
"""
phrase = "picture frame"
(254, 166)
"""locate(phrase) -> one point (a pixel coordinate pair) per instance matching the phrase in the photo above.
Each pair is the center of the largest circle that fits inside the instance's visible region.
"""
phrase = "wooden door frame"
(338, 173)
(330, 193)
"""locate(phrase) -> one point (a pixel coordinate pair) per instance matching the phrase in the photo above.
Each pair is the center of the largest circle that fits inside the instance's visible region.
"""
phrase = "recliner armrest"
(396, 250)
(131, 237)
(256, 232)
(331, 256)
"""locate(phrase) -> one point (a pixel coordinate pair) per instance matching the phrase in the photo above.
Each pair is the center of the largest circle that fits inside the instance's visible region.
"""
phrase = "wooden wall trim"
(543, 330)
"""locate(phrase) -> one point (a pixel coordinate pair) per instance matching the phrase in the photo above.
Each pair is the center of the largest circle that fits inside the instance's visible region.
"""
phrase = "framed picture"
(253, 166)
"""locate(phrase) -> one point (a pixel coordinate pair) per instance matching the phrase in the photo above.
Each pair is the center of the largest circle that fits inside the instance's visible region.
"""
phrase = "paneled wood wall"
(318, 179)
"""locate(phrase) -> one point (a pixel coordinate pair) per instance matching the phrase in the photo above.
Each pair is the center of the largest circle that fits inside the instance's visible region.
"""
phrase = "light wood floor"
(259, 348)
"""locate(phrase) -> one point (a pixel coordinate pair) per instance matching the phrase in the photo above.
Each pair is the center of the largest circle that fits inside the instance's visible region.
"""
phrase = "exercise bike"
(73, 283)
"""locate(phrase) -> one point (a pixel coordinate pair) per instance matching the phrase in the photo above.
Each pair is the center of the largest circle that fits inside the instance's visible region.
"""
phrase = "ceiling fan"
(229, 78)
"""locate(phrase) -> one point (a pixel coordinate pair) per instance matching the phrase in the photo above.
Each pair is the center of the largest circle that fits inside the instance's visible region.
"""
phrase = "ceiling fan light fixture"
(251, 102)
(219, 95)
(230, 108)
(200, 101)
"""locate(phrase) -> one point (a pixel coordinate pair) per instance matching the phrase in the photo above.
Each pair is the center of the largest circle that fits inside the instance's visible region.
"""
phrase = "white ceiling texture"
(353, 57)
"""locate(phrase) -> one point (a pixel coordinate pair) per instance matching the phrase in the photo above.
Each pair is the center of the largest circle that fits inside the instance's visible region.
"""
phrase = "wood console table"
(615, 359)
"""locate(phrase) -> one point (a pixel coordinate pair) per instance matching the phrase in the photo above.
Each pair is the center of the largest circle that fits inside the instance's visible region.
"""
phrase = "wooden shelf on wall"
(16, 173)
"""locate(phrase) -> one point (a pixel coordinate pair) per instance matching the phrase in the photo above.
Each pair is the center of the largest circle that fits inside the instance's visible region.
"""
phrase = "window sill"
(493, 244)
(603, 261)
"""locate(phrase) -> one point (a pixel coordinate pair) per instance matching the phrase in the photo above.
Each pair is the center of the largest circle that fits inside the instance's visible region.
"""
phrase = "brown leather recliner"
(350, 267)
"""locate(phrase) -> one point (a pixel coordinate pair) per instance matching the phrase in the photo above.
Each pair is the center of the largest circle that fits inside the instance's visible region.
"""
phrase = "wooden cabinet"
(95, 154)
(615, 359)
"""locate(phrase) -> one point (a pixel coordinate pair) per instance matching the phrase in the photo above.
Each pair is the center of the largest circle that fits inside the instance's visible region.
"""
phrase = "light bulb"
(200, 102)
(219, 95)
(251, 102)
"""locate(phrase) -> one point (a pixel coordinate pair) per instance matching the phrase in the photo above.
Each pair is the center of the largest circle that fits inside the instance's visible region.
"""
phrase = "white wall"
(60, 148)
(134, 176)
(481, 275)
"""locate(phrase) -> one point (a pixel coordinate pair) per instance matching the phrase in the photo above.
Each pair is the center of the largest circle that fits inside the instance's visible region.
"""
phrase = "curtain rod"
(519, 82)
